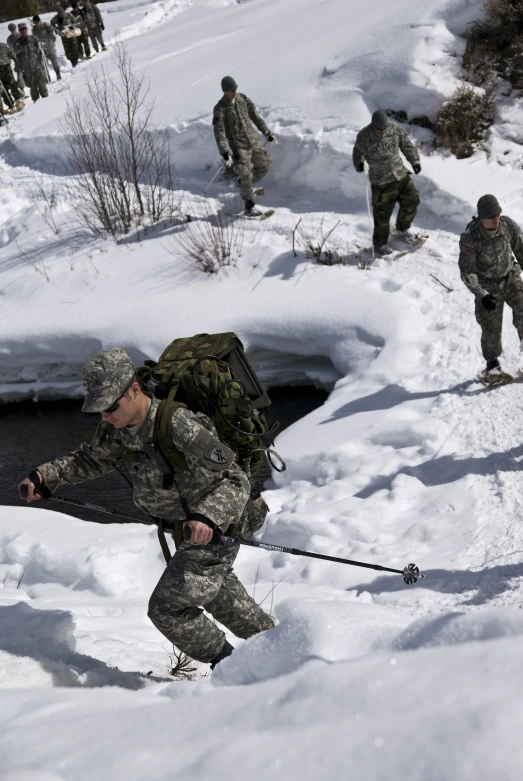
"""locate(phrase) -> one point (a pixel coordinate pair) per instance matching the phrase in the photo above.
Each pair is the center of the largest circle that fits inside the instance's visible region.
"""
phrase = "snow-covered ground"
(410, 459)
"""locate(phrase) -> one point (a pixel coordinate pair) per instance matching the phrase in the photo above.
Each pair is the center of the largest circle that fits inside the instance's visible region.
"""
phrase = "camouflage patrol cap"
(380, 120)
(228, 84)
(11, 26)
(22, 26)
(488, 207)
(106, 376)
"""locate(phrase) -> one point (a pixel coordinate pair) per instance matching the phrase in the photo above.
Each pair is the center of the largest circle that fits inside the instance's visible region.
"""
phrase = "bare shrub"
(214, 240)
(496, 39)
(317, 241)
(44, 197)
(181, 666)
(121, 161)
(461, 122)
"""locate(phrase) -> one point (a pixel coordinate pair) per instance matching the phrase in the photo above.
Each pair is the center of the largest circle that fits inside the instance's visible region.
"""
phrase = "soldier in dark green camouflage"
(490, 272)
(212, 496)
(7, 80)
(379, 145)
(233, 118)
(63, 23)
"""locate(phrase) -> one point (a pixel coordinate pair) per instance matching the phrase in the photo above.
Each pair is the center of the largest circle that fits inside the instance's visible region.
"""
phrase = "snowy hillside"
(410, 459)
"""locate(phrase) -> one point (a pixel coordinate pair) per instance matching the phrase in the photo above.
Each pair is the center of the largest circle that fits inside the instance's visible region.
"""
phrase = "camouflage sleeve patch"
(216, 116)
(213, 453)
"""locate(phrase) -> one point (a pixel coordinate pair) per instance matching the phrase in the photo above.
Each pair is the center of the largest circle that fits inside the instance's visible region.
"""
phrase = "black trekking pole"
(410, 573)
(46, 494)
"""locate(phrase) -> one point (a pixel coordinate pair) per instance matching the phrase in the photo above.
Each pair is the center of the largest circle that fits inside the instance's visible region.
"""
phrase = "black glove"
(489, 302)
(361, 167)
(416, 168)
(269, 136)
(102, 26)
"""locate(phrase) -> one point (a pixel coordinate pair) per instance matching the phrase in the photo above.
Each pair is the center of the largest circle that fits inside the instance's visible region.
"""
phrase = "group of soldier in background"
(31, 53)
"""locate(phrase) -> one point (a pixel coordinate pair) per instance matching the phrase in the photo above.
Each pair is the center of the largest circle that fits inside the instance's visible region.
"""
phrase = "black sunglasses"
(114, 406)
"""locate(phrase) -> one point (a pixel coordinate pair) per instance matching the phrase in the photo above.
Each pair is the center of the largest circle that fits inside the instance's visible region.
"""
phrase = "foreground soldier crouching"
(210, 495)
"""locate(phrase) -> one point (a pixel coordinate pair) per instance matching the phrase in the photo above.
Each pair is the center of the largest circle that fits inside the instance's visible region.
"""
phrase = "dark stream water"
(31, 434)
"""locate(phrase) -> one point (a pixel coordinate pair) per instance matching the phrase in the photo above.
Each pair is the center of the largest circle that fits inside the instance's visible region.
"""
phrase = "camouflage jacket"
(46, 35)
(233, 123)
(28, 54)
(484, 257)
(213, 485)
(11, 40)
(6, 54)
(61, 23)
(93, 17)
(382, 153)
(79, 19)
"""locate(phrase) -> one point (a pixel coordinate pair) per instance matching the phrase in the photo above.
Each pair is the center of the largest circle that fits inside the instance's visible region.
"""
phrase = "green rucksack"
(210, 373)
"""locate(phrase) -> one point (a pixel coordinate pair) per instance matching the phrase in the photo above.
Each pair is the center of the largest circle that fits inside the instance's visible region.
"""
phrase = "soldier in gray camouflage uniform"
(29, 57)
(233, 118)
(213, 495)
(95, 25)
(11, 38)
(9, 91)
(379, 144)
(47, 35)
(488, 269)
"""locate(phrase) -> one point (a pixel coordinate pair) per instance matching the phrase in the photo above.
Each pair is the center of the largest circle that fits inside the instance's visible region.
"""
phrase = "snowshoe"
(383, 249)
(19, 105)
(259, 191)
(495, 376)
(253, 212)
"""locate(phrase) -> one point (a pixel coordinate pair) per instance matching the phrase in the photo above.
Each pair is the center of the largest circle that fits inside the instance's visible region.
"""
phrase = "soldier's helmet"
(106, 376)
(11, 26)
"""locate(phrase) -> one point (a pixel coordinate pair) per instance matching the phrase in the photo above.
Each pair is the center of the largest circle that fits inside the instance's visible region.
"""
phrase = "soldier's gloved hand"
(228, 159)
(102, 26)
(198, 532)
(416, 168)
(33, 481)
(361, 167)
(489, 302)
(271, 138)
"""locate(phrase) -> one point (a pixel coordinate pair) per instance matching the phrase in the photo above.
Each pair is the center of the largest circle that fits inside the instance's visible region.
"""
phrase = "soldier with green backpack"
(190, 473)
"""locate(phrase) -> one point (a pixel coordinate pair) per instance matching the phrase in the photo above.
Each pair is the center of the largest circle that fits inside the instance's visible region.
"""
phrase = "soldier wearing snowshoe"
(9, 91)
(490, 272)
(64, 25)
(95, 25)
(210, 496)
(11, 38)
(379, 145)
(78, 15)
(47, 35)
(28, 55)
(238, 141)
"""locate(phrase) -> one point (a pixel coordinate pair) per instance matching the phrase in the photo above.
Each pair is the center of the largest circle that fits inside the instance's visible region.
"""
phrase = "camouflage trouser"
(250, 165)
(509, 291)
(201, 576)
(37, 83)
(95, 34)
(71, 50)
(384, 199)
(9, 85)
(83, 44)
(50, 53)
